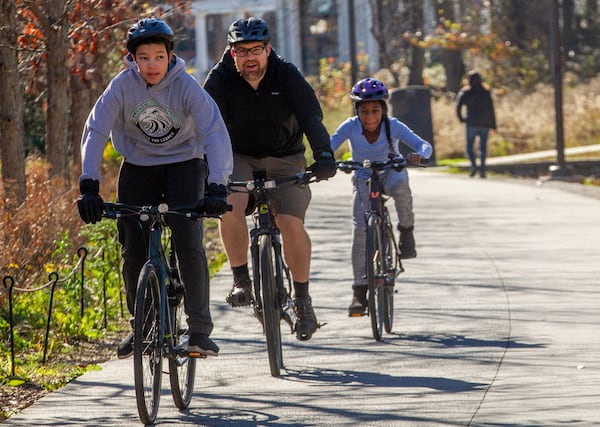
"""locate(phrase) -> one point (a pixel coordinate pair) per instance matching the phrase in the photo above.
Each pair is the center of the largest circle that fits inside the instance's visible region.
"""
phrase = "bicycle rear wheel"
(271, 313)
(147, 348)
(374, 257)
(389, 267)
(182, 368)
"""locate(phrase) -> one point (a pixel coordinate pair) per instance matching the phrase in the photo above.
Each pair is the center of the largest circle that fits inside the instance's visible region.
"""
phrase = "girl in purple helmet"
(375, 136)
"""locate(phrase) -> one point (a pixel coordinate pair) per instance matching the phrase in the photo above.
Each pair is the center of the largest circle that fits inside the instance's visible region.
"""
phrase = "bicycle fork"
(282, 276)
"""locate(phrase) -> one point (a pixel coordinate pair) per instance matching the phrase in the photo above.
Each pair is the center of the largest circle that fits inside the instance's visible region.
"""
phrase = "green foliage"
(101, 274)
(111, 156)
(30, 309)
(333, 84)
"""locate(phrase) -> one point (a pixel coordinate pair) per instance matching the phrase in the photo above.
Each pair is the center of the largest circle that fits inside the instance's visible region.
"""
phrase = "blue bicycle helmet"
(248, 29)
(369, 89)
(147, 28)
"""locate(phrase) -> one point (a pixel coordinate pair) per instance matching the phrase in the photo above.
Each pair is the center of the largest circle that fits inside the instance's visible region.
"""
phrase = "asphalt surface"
(497, 323)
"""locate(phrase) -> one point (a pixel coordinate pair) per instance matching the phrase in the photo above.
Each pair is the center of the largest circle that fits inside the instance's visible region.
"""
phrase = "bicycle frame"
(157, 334)
(264, 224)
(272, 299)
(382, 261)
(157, 257)
(377, 207)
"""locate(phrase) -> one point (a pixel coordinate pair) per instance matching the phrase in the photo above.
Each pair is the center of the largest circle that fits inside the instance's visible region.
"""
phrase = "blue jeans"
(472, 133)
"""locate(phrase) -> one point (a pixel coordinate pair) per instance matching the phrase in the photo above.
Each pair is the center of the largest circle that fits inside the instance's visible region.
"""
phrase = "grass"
(526, 122)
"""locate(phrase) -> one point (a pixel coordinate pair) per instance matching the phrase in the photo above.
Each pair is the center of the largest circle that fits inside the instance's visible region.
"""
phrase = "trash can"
(412, 105)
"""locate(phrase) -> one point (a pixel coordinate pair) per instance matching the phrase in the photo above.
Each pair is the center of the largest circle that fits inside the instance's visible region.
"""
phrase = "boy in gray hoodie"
(172, 139)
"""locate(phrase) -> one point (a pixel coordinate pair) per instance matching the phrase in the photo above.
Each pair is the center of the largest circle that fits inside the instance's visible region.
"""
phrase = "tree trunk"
(11, 111)
(57, 115)
(452, 61)
(417, 64)
(454, 68)
(382, 30)
(80, 107)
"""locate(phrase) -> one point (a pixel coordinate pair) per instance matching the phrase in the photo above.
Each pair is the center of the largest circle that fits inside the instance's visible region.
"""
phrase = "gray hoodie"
(173, 121)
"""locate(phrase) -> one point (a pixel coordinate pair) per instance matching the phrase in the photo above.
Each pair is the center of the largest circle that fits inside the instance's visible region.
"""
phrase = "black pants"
(174, 184)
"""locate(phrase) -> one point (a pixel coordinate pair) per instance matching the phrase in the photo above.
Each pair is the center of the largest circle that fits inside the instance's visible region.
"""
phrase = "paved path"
(497, 323)
(538, 155)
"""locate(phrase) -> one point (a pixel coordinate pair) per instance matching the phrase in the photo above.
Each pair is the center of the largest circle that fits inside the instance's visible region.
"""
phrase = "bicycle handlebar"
(376, 165)
(307, 177)
(120, 210)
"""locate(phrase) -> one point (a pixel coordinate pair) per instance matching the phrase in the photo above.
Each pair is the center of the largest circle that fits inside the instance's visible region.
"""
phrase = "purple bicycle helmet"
(369, 89)
(147, 28)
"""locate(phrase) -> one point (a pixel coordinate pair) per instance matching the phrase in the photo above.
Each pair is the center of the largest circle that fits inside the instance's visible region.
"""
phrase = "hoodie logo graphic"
(156, 121)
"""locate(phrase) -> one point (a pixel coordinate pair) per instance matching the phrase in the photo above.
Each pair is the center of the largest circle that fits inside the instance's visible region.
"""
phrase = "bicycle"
(382, 257)
(159, 326)
(271, 277)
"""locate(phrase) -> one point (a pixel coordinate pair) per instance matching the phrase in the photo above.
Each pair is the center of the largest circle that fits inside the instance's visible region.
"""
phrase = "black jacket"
(480, 108)
(270, 121)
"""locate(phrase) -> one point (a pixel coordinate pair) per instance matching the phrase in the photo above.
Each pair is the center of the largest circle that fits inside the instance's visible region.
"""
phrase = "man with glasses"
(268, 107)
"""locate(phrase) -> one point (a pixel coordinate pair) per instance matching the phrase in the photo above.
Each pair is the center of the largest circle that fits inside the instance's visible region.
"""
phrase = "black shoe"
(358, 307)
(201, 345)
(240, 294)
(407, 243)
(473, 171)
(125, 348)
(306, 320)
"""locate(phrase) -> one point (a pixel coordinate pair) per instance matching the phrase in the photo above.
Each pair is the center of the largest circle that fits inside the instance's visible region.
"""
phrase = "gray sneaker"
(358, 306)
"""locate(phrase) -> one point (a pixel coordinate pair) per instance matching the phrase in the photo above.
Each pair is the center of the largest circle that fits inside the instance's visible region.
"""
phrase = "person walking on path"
(375, 136)
(479, 120)
(164, 124)
(268, 106)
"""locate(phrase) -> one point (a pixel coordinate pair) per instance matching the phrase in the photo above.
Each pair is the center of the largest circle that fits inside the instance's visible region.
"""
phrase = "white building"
(303, 32)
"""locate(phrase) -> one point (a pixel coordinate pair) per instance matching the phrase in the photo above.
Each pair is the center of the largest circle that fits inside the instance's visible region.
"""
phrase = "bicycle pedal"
(357, 314)
(196, 355)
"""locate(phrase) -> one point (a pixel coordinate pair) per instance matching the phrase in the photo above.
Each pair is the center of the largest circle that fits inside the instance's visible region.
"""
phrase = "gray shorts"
(291, 199)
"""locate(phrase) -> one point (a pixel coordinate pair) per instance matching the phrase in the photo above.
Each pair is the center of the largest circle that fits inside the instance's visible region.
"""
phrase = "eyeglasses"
(243, 52)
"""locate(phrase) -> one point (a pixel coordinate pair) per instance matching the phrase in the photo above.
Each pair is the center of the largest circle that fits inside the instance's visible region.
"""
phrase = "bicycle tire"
(374, 276)
(271, 313)
(147, 348)
(389, 258)
(182, 368)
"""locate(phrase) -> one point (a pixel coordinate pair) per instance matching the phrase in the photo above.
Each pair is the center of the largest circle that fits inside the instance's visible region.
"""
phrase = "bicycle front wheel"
(389, 258)
(374, 257)
(271, 313)
(147, 348)
(182, 368)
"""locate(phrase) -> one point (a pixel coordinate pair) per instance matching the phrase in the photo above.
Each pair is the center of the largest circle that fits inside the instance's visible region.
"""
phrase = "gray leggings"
(395, 185)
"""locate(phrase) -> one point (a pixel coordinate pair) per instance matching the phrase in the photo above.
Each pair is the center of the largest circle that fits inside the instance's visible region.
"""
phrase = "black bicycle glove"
(90, 202)
(324, 166)
(215, 201)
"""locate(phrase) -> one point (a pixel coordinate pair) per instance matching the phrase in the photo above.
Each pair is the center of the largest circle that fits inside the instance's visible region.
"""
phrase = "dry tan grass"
(526, 123)
(28, 236)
